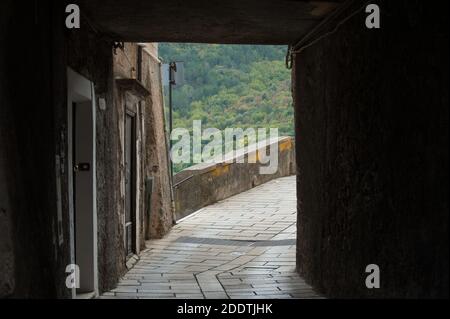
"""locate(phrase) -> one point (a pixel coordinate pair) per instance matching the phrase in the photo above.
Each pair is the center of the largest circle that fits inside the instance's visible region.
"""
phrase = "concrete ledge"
(205, 184)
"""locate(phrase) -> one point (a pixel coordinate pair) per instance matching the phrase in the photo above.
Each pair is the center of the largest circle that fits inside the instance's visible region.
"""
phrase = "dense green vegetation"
(232, 86)
(237, 86)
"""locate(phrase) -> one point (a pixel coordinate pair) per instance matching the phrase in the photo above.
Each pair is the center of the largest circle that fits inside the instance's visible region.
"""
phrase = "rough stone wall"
(125, 67)
(7, 142)
(33, 132)
(154, 204)
(31, 95)
(159, 214)
(372, 154)
(125, 62)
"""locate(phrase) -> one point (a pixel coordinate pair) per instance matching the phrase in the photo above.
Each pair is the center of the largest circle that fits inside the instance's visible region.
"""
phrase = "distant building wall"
(159, 214)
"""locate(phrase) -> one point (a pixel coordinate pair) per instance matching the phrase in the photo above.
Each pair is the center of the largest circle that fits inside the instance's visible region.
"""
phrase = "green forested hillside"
(232, 86)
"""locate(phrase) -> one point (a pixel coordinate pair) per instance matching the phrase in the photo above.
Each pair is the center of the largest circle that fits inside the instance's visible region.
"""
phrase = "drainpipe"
(169, 164)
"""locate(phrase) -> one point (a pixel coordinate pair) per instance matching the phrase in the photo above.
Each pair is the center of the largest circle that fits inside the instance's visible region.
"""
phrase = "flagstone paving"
(240, 248)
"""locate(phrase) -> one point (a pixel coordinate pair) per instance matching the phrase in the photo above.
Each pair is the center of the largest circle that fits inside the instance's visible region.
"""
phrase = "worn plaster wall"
(158, 210)
(372, 154)
(125, 67)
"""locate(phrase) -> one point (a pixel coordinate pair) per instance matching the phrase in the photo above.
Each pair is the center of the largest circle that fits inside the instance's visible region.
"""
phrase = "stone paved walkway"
(242, 247)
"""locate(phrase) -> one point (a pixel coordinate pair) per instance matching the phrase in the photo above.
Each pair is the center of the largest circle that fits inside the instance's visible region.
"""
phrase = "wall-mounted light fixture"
(118, 45)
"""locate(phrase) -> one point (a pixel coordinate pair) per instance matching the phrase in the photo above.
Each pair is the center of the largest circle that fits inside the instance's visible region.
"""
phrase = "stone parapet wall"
(205, 184)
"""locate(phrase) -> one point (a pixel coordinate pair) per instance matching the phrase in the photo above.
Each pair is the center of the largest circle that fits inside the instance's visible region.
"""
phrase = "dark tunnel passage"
(371, 113)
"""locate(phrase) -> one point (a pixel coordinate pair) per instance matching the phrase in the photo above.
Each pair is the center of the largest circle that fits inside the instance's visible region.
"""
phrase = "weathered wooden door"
(130, 222)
